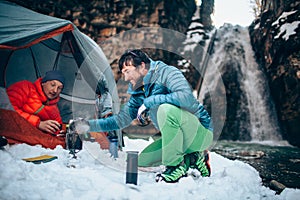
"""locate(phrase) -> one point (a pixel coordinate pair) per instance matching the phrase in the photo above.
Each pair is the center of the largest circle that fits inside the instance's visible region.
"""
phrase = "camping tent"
(32, 44)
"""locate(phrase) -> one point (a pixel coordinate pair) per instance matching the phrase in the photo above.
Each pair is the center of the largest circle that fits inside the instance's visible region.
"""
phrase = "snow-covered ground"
(98, 176)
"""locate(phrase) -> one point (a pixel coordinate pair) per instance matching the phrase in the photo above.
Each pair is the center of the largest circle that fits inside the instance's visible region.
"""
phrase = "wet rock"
(275, 185)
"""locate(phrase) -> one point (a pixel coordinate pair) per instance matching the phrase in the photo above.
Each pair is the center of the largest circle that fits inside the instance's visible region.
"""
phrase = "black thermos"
(132, 167)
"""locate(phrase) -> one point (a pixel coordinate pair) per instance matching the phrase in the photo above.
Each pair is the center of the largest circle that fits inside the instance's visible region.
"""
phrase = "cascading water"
(233, 52)
(249, 113)
(262, 113)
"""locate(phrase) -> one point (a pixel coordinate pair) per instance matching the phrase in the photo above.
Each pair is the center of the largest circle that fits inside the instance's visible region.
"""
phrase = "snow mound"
(98, 176)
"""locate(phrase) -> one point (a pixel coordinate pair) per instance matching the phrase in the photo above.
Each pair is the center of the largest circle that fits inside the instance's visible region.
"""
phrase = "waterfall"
(233, 52)
(263, 117)
(241, 96)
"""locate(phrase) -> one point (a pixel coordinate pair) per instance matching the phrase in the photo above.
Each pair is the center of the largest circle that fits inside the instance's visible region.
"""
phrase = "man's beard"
(139, 83)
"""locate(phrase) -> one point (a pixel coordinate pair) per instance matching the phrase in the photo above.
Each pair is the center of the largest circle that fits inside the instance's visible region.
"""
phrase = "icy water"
(279, 163)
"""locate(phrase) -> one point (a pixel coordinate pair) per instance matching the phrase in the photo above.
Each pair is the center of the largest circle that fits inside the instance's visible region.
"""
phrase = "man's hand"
(49, 126)
(142, 116)
(81, 126)
(141, 110)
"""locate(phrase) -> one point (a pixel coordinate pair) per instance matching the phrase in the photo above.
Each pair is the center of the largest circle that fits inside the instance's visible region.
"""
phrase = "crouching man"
(163, 92)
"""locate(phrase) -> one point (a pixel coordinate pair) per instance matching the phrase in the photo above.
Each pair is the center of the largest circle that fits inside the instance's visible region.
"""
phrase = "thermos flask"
(132, 167)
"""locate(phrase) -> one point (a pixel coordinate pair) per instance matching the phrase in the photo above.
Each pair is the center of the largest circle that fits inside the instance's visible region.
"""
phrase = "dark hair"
(136, 57)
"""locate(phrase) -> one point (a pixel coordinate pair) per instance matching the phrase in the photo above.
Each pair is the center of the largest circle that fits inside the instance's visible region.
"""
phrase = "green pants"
(181, 133)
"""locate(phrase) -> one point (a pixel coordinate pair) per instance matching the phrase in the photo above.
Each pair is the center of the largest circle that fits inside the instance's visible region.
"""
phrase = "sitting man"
(37, 103)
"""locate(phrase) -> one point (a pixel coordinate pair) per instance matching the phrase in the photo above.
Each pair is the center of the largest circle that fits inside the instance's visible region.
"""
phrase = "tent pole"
(5, 68)
(36, 69)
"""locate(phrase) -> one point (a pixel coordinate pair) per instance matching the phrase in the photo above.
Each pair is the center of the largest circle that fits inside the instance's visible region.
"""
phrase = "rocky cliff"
(275, 37)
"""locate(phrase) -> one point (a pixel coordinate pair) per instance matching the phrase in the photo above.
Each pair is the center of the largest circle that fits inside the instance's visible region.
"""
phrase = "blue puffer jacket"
(162, 84)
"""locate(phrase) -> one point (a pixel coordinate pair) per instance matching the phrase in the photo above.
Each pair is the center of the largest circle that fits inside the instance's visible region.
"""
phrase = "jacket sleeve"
(179, 91)
(18, 94)
(179, 94)
(57, 117)
(114, 122)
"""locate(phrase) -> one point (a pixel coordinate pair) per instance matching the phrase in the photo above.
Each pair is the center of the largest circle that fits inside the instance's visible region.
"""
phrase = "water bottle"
(132, 167)
(113, 147)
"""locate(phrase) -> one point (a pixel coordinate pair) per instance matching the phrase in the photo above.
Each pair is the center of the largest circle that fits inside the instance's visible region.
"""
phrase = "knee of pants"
(168, 114)
(166, 109)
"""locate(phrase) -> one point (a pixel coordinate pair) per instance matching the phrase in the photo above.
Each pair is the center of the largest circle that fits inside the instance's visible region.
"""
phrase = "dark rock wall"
(278, 52)
(206, 9)
(237, 123)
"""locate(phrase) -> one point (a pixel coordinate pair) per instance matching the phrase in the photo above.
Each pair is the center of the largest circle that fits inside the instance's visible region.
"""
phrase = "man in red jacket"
(37, 103)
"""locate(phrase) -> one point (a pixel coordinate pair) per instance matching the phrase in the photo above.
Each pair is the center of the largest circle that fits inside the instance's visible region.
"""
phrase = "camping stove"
(73, 141)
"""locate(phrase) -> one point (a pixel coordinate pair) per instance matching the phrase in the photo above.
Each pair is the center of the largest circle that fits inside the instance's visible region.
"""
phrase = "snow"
(194, 34)
(283, 17)
(288, 29)
(98, 176)
(285, 29)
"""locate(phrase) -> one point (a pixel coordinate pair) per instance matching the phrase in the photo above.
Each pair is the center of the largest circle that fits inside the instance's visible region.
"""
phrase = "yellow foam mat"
(40, 159)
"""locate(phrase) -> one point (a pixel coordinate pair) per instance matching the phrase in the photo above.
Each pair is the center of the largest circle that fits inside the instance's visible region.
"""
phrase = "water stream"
(262, 113)
(273, 162)
(233, 50)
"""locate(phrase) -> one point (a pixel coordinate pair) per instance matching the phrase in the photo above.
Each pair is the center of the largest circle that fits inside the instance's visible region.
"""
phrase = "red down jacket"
(28, 98)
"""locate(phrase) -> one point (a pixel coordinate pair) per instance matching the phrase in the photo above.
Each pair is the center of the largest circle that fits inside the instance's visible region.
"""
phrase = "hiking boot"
(199, 161)
(172, 173)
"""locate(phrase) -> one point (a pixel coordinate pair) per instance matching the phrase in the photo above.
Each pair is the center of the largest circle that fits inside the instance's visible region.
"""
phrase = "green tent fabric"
(32, 44)
(21, 26)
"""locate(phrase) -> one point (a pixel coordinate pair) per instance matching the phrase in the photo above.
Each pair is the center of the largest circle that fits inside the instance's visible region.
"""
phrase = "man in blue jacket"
(161, 92)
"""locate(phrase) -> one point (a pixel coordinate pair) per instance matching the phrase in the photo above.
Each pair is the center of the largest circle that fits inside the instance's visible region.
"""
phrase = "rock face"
(275, 38)
(206, 9)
